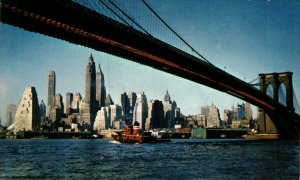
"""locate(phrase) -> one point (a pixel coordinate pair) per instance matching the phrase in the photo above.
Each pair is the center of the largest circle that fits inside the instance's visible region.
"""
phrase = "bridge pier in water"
(265, 123)
(275, 121)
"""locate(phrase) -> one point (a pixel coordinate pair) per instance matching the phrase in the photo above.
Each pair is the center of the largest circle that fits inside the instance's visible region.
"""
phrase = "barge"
(259, 136)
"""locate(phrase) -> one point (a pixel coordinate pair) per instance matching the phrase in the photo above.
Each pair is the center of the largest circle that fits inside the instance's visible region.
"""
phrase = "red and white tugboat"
(132, 135)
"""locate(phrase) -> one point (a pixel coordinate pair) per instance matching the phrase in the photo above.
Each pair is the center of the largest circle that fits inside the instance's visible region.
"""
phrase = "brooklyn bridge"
(83, 23)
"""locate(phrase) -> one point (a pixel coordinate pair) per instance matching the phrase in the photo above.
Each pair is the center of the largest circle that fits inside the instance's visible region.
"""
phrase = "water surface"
(180, 159)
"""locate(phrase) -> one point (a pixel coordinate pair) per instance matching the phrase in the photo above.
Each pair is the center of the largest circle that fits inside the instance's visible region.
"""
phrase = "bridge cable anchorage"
(131, 19)
(111, 10)
(149, 7)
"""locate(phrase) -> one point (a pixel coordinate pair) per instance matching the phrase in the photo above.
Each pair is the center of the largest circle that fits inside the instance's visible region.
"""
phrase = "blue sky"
(247, 37)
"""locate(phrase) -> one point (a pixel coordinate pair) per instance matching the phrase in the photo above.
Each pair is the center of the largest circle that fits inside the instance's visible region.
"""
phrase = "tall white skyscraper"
(140, 112)
(102, 120)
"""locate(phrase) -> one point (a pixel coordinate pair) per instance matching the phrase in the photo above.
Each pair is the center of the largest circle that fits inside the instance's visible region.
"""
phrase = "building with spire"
(169, 111)
(51, 78)
(89, 105)
(90, 81)
(100, 88)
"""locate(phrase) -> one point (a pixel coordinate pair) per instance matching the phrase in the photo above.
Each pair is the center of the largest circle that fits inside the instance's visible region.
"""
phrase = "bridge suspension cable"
(112, 11)
(253, 80)
(141, 16)
(171, 29)
(131, 19)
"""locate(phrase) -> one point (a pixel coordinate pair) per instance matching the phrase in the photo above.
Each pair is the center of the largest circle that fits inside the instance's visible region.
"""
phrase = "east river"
(180, 159)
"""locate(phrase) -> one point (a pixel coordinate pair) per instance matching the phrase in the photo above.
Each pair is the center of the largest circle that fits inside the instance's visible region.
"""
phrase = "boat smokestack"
(136, 128)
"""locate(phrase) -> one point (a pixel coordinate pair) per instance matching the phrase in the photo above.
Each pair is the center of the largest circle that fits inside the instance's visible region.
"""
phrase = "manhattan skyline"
(244, 39)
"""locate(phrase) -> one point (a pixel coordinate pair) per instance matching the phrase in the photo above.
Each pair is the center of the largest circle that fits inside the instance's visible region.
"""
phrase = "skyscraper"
(10, 115)
(108, 100)
(213, 119)
(68, 105)
(76, 100)
(248, 111)
(43, 112)
(102, 120)
(240, 113)
(50, 91)
(155, 114)
(124, 103)
(100, 88)
(90, 81)
(205, 111)
(169, 111)
(115, 114)
(28, 112)
(140, 112)
(88, 106)
(57, 110)
(131, 100)
(180, 119)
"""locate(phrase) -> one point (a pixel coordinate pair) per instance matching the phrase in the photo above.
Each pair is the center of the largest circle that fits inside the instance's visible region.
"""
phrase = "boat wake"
(115, 142)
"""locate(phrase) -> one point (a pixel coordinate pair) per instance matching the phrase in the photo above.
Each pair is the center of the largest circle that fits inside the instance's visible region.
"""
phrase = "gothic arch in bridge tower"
(269, 90)
(282, 94)
(275, 81)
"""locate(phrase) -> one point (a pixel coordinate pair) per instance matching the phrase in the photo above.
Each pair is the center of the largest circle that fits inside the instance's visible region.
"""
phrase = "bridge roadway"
(74, 23)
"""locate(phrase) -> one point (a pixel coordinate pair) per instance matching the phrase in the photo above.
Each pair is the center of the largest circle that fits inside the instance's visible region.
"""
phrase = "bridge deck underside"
(71, 22)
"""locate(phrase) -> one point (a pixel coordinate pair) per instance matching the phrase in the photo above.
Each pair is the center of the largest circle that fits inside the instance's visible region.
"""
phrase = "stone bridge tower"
(265, 123)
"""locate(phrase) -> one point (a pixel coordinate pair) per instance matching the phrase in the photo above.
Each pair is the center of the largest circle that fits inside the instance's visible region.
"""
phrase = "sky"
(243, 37)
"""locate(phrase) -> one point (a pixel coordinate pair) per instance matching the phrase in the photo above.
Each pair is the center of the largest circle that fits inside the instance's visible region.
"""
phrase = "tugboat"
(132, 135)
